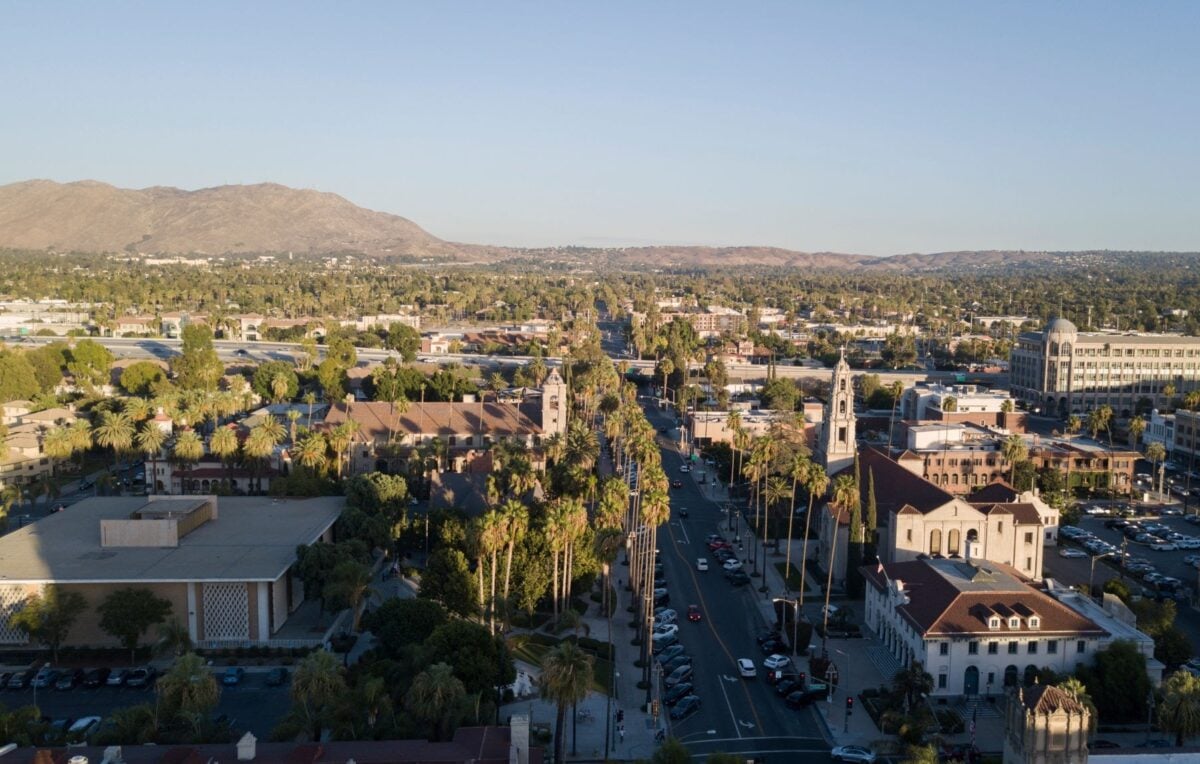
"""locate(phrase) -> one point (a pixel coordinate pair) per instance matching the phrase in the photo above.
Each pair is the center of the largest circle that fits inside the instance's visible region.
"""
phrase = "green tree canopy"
(447, 579)
(405, 340)
(47, 618)
(127, 614)
(480, 660)
(142, 378)
(89, 362)
(399, 623)
(197, 367)
(264, 379)
(17, 378)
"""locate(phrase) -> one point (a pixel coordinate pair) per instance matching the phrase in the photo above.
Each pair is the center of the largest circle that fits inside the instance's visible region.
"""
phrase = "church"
(463, 431)
(917, 519)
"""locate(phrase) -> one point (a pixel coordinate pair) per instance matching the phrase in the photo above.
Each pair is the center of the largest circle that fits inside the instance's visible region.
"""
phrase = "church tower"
(554, 405)
(837, 431)
(1045, 725)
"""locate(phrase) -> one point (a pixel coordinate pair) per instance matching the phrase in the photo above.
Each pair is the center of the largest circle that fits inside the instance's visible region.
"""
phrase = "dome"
(1061, 325)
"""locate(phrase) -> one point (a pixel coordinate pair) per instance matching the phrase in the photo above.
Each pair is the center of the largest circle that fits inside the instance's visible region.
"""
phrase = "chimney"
(518, 739)
(247, 747)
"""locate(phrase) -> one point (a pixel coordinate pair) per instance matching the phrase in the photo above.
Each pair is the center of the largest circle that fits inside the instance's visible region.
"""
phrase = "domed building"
(1061, 371)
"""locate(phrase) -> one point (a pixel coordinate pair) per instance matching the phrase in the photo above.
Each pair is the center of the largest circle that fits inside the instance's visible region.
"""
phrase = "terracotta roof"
(1047, 699)
(378, 421)
(1023, 513)
(952, 597)
(997, 491)
(895, 486)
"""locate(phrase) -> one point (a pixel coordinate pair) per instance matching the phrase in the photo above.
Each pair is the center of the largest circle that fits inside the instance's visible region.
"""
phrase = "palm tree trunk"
(787, 556)
(559, 738)
(829, 582)
(507, 572)
(492, 609)
(804, 551)
(554, 564)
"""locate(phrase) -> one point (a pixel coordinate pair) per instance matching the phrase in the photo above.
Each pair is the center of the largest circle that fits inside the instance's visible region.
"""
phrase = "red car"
(694, 613)
(715, 545)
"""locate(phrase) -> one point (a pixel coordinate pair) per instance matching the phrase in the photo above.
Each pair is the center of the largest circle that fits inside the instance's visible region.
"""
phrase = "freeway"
(736, 715)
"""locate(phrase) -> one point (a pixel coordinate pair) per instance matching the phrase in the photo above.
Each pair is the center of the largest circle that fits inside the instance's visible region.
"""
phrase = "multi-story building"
(173, 323)
(1062, 370)
(1160, 428)
(979, 627)
(962, 458)
(926, 402)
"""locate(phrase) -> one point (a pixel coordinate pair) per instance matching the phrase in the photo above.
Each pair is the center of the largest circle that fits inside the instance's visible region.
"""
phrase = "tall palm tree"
(150, 441)
(845, 496)
(188, 687)
(582, 447)
(339, 440)
(776, 491)
(1156, 452)
(81, 435)
(800, 467)
(188, 448)
(1180, 708)
(58, 445)
(566, 677)
(115, 431)
(279, 386)
(293, 415)
(1078, 690)
(434, 697)
(516, 526)
(257, 449)
(311, 451)
(1014, 450)
(273, 428)
(665, 367)
(223, 444)
(309, 399)
(491, 538)
(733, 423)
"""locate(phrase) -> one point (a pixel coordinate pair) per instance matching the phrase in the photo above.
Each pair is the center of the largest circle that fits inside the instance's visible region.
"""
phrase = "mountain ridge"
(93, 216)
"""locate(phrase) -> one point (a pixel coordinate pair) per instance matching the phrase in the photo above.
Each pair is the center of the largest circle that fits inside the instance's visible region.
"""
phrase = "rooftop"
(254, 539)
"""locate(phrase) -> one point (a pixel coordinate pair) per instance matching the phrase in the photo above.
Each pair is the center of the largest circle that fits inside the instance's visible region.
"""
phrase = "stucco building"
(226, 569)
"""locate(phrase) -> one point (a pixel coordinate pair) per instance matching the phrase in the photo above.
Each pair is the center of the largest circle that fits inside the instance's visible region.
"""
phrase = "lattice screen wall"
(226, 611)
(11, 600)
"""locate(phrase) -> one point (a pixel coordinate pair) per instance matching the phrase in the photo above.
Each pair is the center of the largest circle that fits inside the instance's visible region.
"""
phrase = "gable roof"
(1023, 513)
(895, 486)
(998, 492)
(379, 420)
(1048, 699)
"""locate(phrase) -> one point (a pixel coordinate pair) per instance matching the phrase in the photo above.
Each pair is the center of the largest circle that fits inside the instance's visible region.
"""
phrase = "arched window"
(935, 541)
(952, 541)
(1010, 676)
(841, 407)
(1031, 672)
(972, 536)
(954, 479)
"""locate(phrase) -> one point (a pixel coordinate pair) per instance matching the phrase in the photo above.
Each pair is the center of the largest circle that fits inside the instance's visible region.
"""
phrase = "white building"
(924, 402)
(978, 627)
(1160, 428)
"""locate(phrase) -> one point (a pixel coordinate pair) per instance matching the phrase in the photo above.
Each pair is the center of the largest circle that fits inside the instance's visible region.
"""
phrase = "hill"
(88, 216)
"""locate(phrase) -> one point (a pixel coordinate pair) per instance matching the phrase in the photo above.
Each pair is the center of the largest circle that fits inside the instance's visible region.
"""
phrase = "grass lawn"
(793, 577)
(525, 649)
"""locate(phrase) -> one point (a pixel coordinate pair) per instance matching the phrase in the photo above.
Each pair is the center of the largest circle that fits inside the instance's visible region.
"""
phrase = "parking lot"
(1155, 547)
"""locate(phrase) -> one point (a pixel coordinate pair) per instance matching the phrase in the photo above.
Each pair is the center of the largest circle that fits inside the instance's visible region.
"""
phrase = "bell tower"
(554, 404)
(837, 431)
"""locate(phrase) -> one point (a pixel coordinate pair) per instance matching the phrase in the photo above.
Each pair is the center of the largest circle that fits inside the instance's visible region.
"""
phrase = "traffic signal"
(803, 678)
(849, 703)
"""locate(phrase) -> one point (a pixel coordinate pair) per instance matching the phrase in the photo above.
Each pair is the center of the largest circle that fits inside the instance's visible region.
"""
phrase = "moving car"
(853, 753)
(737, 577)
(801, 698)
(694, 613)
(686, 707)
(746, 668)
(683, 512)
(702, 564)
(677, 484)
(233, 676)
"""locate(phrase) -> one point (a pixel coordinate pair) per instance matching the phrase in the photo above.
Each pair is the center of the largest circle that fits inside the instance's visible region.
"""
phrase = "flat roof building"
(226, 569)
(1062, 370)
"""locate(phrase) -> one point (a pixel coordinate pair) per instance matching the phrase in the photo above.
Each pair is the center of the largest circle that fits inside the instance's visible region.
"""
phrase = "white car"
(666, 630)
(746, 668)
(776, 662)
(79, 731)
(1071, 554)
(702, 564)
(665, 617)
(853, 753)
(684, 468)
(1188, 542)
(732, 564)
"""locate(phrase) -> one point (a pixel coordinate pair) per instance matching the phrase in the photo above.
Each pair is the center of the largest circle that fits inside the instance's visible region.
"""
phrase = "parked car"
(673, 665)
(666, 630)
(677, 693)
(732, 564)
(776, 662)
(20, 680)
(772, 646)
(686, 707)
(95, 677)
(664, 643)
(785, 686)
(68, 679)
(665, 617)
(117, 677)
(82, 728)
(746, 668)
(702, 564)
(680, 674)
(233, 676)
(1071, 553)
(277, 677)
(141, 677)
(853, 753)
(44, 678)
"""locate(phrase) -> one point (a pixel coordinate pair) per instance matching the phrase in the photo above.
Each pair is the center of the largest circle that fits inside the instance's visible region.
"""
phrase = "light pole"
(1092, 574)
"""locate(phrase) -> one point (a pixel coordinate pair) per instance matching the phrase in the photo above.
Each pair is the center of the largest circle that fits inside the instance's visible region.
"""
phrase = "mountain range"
(89, 216)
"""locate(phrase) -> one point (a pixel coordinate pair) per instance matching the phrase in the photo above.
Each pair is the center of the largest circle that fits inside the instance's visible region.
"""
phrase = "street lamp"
(1092, 574)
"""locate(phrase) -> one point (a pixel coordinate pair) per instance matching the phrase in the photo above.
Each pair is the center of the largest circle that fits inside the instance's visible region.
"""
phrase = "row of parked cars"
(674, 663)
(722, 550)
(48, 677)
(791, 686)
(1153, 535)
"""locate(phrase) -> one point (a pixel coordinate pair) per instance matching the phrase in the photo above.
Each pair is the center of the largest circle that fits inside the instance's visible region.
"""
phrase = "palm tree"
(309, 399)
(1101, 418)
(896, 389)
(223, 444)
(173, 638)
(1137, 426)
(434, 697)
(913, 682)
(1156, 452)
(566, 677)
(1079, 691)
(799, 472)
(340, 439)
(777, 489)
(273, 428)
(114, 431)
(582, 447)
(516, 526)
(81, 435)
(150, 441)
(316, 685)
(1014, 451)
(58, 445)
(665, 367)
(311, 451)
(188, 688)
(257, 449)
(845, 496)
(292, 416)
(733, 423)
(491, 539)
(188, 448)
(279, 386)
(1179, 711)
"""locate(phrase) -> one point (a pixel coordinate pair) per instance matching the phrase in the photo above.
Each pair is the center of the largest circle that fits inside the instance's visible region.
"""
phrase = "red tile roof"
(378, 421)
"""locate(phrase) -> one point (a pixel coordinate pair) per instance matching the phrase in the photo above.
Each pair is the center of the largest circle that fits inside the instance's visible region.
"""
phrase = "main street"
(736, 715)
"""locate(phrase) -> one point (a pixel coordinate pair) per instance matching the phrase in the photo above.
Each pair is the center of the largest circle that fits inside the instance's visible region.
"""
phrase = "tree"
(480, 660)
(142, 378)
(672, 752)
(315, 564)
(188, 689)
(275, 381)
(920, 754)
(780, 394)
(1118, 682)
(317, 686)
(188, 448)
(447, 579)
(1014, 451)
(89, 363)
(898, 350)
(913, 682)
(566, 677)
(401, 623)
(1156, 452)
(436, 697)
(47, 618)
(17, 378)
(405, 340)
(1179, 711)
(49, 363)
(115, 431)
(347, 587)
(127, 614)
(197, 367)
(1137, 426)
(1078, 690)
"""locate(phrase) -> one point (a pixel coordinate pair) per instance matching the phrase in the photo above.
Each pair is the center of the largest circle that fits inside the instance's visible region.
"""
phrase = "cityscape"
(686, 431)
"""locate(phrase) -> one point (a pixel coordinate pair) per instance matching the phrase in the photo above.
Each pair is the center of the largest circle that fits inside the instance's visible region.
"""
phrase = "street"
(742, 716)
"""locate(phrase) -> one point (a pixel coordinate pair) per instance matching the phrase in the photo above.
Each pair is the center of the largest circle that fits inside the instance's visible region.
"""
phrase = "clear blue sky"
(858, 127)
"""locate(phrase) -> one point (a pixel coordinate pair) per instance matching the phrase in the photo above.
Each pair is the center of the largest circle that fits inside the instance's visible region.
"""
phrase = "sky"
(865, 127)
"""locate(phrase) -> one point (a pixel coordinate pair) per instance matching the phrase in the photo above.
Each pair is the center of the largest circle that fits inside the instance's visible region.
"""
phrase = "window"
(944, 648)
(1028, 563)
(1014, 622)
(941, 681)
(994, 622)
(1052, 646)
(1012, 648)
(993, 648)
(1029, 538)
(952, 541)
(908, 535)
(1000, 527)
(935, 541)
(841, 435)
(972, 648)
(1081, 646)
(1034, 622)
(1033, 648)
